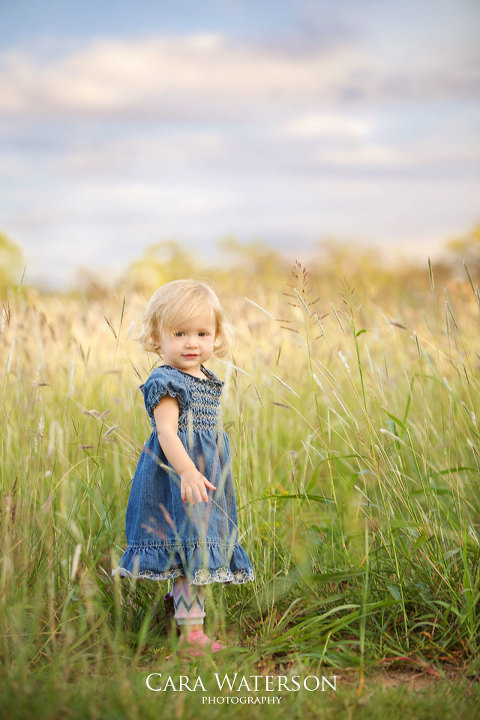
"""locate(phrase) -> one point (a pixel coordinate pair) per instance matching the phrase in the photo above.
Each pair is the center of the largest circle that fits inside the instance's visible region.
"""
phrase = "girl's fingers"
(198, 497)
(202, 493)
(197, 493)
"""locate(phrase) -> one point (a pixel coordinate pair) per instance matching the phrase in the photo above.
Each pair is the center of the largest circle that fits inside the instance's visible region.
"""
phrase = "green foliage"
(466, 249)
(11, 261)
(353, 419)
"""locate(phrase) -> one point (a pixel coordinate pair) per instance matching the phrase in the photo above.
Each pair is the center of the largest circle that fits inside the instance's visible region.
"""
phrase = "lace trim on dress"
(200, 577)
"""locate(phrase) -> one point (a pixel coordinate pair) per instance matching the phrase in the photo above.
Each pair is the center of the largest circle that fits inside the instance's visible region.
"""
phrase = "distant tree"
(11, 261)
(254, 260)
(466, 249)
(161, 262)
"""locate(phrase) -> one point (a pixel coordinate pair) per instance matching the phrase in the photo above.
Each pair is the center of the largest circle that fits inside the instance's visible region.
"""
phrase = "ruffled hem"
(163, 562)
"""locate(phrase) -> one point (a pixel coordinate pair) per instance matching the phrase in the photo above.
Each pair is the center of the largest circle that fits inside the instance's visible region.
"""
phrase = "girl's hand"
(192, 486)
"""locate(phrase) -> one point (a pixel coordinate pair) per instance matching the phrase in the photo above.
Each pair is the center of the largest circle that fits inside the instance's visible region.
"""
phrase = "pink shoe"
(197, 644)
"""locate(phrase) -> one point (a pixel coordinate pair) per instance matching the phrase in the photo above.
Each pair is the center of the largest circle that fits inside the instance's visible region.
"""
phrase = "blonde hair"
(173, 303)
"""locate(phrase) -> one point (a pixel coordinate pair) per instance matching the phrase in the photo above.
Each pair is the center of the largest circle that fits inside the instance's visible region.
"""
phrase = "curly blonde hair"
(173, 303)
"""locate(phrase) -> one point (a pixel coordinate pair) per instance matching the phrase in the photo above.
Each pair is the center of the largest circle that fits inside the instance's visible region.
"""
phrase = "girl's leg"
(189, 603)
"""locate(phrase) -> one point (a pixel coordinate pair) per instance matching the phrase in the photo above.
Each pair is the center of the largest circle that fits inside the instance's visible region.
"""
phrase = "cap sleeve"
(165, 382)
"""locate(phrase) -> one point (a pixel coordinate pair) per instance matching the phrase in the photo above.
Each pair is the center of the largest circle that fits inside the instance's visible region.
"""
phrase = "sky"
(124, 124)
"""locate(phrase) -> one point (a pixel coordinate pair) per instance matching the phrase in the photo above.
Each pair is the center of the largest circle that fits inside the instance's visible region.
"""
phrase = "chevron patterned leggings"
(189, 601)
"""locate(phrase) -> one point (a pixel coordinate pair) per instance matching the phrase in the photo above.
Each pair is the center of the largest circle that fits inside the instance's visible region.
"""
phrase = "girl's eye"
(178, 333)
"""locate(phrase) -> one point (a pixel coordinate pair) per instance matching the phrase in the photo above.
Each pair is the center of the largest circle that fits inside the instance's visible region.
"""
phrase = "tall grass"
(354, 428)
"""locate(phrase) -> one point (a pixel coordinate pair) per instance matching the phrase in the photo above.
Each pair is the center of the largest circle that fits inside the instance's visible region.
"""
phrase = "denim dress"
(167, 538)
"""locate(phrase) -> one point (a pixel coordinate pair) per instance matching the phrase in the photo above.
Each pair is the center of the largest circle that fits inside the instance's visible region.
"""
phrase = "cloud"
(326, 125)
(207, 77)
(117, 143)
(166, 78)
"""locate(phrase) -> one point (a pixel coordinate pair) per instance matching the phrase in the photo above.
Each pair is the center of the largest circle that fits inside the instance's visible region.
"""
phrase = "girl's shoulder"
(165, 380)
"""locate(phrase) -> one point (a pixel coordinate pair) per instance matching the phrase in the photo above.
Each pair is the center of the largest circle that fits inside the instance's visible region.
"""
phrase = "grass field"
(353, 412)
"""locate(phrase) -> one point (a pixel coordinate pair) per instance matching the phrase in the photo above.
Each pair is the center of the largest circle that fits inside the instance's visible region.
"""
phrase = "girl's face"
(190, 343)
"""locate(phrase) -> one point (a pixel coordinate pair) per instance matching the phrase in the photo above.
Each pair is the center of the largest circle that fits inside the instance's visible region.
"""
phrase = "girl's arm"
(192, 482)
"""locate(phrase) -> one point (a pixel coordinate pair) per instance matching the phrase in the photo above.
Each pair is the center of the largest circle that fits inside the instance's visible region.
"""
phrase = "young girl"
(181, 519)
